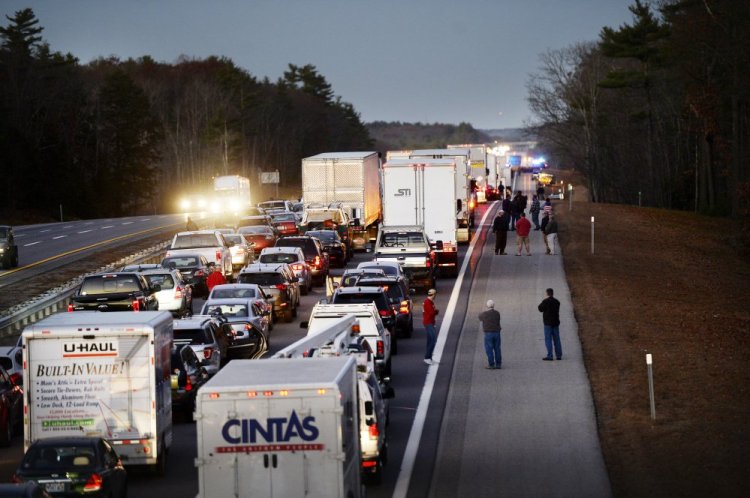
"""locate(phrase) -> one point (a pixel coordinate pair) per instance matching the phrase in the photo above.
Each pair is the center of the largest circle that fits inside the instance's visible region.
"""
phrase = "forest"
(126, 137)
(656, 110)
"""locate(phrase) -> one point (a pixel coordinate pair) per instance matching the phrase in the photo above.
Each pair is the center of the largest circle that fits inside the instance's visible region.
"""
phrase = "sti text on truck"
(351, 179)
(101, 374)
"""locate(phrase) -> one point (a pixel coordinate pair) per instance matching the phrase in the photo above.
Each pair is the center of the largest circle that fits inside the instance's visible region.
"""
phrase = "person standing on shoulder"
(500, 227)
(543, 226)
(551, 232)
(550, 308)
(506, 204)
(490, 320)
(190, 225)
(523, 228)
(215, 278)
(429, 312)
(535, 208)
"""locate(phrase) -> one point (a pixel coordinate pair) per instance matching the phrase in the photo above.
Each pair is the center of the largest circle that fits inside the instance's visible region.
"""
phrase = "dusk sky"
(431, 61)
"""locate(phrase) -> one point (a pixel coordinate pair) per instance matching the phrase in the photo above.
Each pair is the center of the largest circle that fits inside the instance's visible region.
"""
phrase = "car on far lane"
(8, 247)
(261, 236)
(74, 466)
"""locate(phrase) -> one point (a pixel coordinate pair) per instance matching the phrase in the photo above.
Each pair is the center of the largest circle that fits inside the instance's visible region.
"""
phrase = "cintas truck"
(280, 428)
(92, 373)
(351, 179)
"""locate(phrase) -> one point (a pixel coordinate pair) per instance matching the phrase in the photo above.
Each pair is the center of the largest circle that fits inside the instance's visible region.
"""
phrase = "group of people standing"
(512, 217)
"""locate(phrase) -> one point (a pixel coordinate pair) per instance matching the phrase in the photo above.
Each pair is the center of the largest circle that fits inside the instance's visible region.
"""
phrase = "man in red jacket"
(215, 278)
(429, 311)
(523, 228)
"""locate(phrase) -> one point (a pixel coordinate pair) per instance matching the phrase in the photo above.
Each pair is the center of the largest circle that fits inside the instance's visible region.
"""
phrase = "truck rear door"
(439, 203)
(402, 189)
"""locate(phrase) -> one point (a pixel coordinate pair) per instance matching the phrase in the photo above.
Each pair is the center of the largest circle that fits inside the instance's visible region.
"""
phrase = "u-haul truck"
(281, 428)
(101, 374)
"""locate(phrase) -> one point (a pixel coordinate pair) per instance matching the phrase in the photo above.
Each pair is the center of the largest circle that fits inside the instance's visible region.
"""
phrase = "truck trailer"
(349, 178)
(101, 374)
(423, 191)
(280, 428)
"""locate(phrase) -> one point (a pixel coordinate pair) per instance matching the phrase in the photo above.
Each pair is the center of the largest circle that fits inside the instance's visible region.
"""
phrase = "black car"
(71, 466)
(194, 269)
(8, 248)
(333, 245)
(25, 490)
(117, 291)
(315, 256)
(400, 298)
(11, 406)
(377, 295)
(187, 377)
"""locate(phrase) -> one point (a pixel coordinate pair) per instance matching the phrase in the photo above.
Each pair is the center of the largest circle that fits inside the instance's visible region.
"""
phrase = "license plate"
(54, 487)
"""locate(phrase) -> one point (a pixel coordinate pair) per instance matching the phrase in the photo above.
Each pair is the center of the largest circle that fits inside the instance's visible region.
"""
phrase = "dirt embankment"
(670, 284)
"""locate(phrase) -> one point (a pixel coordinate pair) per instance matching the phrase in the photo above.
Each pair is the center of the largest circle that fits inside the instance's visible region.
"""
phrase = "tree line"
(657, 110)
(115, 137)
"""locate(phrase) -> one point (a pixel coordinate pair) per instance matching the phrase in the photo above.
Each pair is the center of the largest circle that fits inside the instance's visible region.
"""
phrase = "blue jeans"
(535, 219)
(492, 347)
(431, 340)
(552, 335)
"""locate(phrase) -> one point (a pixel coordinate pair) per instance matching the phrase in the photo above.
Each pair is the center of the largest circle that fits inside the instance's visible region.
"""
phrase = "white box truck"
(422, 191)
(280, 428)
(464, 192)
(92, 373)
(351, 178)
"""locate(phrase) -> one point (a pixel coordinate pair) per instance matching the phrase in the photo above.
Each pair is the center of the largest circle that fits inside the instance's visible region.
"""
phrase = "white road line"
(85, 231)
(106, 226)
(59, 237)
(47, 230)
(127, 222)
(31, 243)
(145, 219)
(415, 435)
(68, 226)
(89, 223)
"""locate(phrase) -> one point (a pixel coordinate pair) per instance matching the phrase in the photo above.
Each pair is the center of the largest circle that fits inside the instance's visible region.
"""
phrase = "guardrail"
(15, 319)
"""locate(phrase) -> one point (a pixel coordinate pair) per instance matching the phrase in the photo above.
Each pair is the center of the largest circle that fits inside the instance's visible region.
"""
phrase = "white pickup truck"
(209, 243)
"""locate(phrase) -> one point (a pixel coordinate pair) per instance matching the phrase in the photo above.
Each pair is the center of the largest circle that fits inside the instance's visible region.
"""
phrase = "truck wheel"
(160, 468)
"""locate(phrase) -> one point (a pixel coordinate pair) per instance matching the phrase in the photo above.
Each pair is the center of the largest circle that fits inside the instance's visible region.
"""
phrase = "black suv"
(333, 245)
(361, 294)
(119, 291)
(315, 256)
(399, 297)
(8, 248)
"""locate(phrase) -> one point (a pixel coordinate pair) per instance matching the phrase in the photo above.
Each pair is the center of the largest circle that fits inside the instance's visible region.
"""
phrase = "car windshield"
(59, 457)
(359, 297)
(272, 205)
(193, 240)
(181, 262)
(284, 217)
(229, 310)
(251, 222)
(164, 280)
(3, 233)
(109, 284)
(278, 257)
(231, 293)
(196, 336)
(256, 230)
(307, 245)
(332, 215)
(388, 270)
(392, 289)
(235, 237)
(402, 239)
(266, 279)
(324, 235)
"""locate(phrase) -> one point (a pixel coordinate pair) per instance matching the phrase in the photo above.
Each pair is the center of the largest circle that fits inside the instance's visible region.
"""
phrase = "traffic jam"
(101, 392)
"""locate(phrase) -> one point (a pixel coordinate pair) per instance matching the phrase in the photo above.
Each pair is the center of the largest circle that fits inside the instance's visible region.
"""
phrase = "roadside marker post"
(592, 235)
(649, 368)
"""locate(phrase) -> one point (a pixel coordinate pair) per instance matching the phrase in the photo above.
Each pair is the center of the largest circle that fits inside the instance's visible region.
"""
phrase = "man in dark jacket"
(550, 308)
(490, 320)
(500, 227)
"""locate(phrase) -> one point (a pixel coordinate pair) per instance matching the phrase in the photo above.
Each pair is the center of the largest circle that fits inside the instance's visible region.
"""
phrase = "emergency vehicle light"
(321, 391)
(252, 394)
(267, 393)
(283, 392)
(214, 395)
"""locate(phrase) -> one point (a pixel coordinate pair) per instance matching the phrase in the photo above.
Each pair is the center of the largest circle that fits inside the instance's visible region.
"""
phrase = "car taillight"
(298, 266)
(428, 263)
(380, 348)
(404, 307)
(374, 432)
(316, 262)
(178, 292)
(198, 273)
(94, 483)
(207, 352)
(136, 304)
(385, 313)
(15, 479)
(70, 307)
(281, 287)
(218, 256)
(188, 384)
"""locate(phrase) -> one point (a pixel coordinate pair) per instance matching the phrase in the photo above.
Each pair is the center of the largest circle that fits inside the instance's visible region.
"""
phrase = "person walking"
(429, 312)
(500, 228)
(550, 308)
(490, 320)
(543, 226)
(547, 208)
(515, 210)
(190, 225)
(215, 278)
(535, 208)
(506, 204)
(523, 228)
(551, 233)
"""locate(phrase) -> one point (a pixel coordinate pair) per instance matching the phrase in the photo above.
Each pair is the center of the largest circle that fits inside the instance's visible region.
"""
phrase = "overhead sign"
(269, 177)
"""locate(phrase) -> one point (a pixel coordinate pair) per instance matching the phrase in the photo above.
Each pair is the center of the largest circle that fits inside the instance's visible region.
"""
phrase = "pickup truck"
(409, 246)
(119, 291)
(209, 243)
(328, 217)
